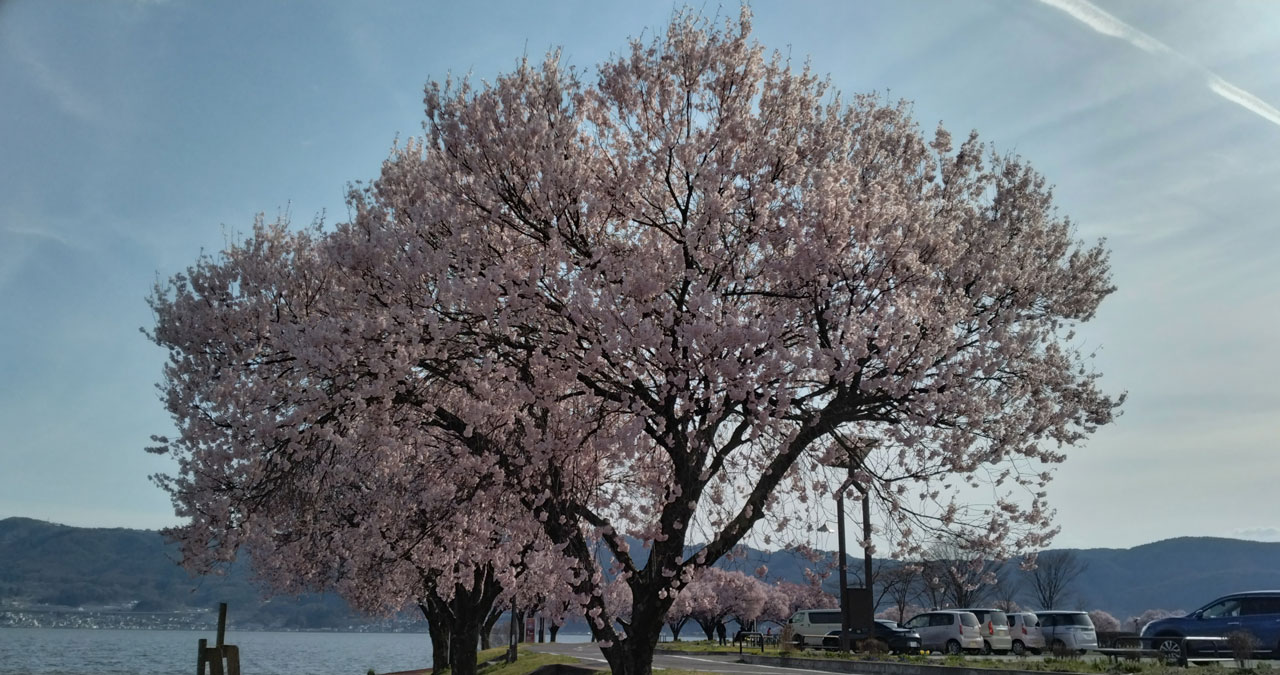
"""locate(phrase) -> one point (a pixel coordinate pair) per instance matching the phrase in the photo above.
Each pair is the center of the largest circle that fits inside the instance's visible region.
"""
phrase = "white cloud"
(1244, 99)
(1094, 17)
(1256, 533)
(1102, 22)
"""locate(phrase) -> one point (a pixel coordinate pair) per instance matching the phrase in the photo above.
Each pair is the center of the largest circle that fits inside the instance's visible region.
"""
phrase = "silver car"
(993, 624)
(1067, 630)
(1024, 628)
(947, 630)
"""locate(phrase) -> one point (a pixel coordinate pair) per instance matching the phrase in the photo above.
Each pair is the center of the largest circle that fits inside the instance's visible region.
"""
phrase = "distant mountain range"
(45, 566)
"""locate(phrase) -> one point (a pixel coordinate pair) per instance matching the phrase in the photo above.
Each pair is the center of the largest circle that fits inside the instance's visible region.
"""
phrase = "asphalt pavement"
(590, 655)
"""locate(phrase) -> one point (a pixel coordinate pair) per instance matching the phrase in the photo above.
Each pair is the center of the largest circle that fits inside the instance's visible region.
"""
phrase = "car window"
(1048, 620)
(798, 618)
(918, 621)
(1262, 605)
(1031, 620)
(1222, 609)
(940, 620)
(1077, 620)
(824, 617)
(998, 618)
(968, 619)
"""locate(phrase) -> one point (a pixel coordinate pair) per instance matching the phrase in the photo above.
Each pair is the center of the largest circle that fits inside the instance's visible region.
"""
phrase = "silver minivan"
(993, 624)
(1067, 630)
(949, 631)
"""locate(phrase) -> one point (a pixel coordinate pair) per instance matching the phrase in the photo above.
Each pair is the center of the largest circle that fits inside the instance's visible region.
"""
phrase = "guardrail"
(1138, 647)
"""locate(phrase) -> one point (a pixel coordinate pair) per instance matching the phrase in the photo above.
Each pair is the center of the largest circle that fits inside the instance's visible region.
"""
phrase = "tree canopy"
(662, 302)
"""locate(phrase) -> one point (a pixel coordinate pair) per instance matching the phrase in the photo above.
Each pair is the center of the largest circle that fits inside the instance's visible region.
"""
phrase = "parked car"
(993, 624)
(1024, 629)
(812, 625)
(1255, 612)
(947, 630)
(1067, 630)
(900, 640)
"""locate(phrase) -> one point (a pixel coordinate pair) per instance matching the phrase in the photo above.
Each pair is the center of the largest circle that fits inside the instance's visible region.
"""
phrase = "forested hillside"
(43, 564)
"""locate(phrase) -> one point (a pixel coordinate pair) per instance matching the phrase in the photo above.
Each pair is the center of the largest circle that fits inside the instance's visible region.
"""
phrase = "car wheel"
(1170, 648)
(953, 647)
(986, 648)
(1019, 648)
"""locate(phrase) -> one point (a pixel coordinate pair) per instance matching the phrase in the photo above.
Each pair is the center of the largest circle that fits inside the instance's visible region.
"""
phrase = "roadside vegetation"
(1047, 664)
(493, 661)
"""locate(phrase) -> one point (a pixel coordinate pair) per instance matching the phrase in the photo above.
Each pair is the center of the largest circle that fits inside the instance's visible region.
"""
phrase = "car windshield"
(1031, 620)
(968, 619)
(998, 618)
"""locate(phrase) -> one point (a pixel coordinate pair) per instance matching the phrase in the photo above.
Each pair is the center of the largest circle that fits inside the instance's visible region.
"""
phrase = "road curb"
(884, 667)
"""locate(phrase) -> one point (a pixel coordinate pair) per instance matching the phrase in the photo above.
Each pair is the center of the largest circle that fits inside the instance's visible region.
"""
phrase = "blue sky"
(135, 135)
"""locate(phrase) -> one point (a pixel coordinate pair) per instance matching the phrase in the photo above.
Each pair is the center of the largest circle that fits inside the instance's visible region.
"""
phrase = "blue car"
(1255, 612)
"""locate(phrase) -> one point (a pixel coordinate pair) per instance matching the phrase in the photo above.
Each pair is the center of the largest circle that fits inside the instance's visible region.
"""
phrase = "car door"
(928, 636)
(1048, 628)
(1261, 617)
(1216, 620)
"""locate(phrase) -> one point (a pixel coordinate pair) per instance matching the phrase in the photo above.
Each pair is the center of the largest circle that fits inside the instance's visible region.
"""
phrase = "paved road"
(590, 655)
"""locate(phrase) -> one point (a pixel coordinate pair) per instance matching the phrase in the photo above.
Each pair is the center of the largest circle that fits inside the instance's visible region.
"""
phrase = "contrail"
(1094, 17)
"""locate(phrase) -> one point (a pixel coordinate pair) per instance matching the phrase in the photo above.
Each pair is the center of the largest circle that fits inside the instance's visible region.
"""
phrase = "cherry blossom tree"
(662, 302)
(720, 595)
(1103, 621)
(361, 508)
(681, 611)
(808, 595)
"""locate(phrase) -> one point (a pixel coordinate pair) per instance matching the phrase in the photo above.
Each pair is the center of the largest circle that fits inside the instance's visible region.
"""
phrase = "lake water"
(73, 651)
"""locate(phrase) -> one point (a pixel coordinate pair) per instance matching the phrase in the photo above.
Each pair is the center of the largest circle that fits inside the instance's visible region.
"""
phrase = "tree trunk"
(555, 628)
(470, 609)
(439, 627)
(676, 627)
(486, 631)
(518, 618)
(633, 655)
(708, 627)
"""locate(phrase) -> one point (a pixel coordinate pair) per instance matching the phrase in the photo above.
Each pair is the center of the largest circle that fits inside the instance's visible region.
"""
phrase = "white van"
(813, 625)
(1067, 630)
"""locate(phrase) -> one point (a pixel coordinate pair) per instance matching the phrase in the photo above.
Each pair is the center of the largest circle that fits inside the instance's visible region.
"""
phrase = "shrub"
(873, 647)
(786, 639)
(1241, 643)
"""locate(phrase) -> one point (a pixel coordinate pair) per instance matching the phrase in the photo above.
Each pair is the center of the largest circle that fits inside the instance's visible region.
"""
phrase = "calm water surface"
(71, 651)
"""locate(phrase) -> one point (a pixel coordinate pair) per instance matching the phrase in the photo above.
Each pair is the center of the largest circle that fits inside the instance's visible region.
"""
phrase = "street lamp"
(854, 456)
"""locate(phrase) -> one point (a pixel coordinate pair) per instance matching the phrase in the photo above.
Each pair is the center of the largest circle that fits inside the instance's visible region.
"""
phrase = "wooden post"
(232, 653)
(214, 657)
(222, 623)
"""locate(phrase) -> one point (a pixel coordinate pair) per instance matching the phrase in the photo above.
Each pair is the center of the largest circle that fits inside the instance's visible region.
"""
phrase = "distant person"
(720, 631)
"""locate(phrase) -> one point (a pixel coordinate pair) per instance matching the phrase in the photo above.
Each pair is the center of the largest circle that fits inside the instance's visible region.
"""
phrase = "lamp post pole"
(845, 623)
(855, 454)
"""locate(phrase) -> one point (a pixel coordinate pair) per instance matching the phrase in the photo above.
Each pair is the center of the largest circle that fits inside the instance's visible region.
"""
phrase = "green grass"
(492, 661)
